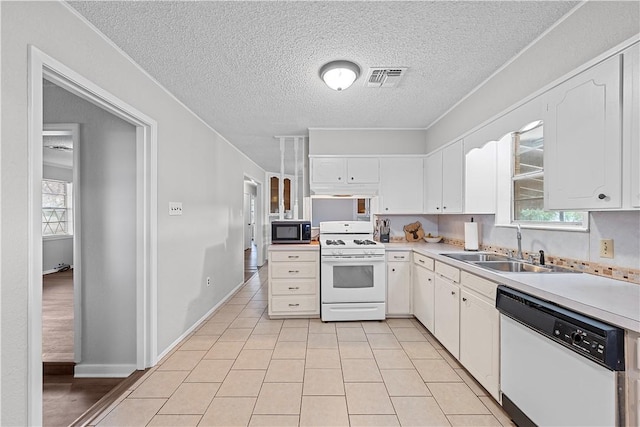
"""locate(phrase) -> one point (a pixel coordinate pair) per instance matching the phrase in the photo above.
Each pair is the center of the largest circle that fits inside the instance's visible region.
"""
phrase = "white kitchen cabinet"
(294, 283)
(423, 284)
(401, 185)
(398, 283)
(444, 180)
(340, 170)
(480, 332)
(480, 174)
(583, 144)
(631, 124)
(447, 313)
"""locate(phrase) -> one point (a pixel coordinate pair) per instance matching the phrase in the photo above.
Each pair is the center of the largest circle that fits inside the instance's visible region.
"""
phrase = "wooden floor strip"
(101, 405)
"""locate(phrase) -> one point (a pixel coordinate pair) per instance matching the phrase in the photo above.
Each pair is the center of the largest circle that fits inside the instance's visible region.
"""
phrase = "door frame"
(41, 65)
(74, 130)
(259, 236)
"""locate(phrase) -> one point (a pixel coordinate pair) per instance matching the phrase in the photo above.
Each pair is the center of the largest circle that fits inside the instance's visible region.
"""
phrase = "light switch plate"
(606, 248)
(175, 208)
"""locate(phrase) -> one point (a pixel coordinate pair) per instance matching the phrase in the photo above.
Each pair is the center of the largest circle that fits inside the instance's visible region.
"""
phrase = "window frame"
(68, 195)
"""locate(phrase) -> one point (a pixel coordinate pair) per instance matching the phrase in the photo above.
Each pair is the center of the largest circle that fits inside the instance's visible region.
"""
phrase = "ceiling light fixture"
(339, 75)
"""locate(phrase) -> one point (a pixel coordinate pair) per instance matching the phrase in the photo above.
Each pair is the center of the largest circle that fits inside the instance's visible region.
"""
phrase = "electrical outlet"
(606, 248)
(208, 281)
(175, 208)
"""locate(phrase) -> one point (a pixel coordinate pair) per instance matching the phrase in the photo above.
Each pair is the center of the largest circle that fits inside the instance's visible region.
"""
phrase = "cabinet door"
(447, 315)
(480, 172)
(328, 170)
(480, 341)
(363, 170)
(631, 120)
(433, 183)
(452, 175)
(423, 296)
(399, 288)
(582, 154)
(401, 185)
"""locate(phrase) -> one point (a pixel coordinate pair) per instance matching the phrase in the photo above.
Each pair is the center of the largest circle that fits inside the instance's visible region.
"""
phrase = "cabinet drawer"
(448, 271)
(482, 286)
(398, 256)
(294, 304)
(291, 270)
(293, 287)
(422, 260)
(294, 256)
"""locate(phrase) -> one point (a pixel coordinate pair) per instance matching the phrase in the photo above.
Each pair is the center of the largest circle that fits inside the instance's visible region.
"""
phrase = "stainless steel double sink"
(505, 264)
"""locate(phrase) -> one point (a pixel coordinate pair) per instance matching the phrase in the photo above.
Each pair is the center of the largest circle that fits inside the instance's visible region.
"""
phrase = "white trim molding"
(41, 65)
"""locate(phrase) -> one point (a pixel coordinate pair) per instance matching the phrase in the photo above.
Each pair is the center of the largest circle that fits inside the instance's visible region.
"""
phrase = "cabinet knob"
(464, 299)
(602, 196)
(339, 178)
(437, 208)
(386, 209)
(393, 269)
(351, 178)
(453, 292)
(429, 280)
(444, 207)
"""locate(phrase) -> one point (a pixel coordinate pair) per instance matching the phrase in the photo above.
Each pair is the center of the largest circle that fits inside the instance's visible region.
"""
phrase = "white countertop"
(612, 301)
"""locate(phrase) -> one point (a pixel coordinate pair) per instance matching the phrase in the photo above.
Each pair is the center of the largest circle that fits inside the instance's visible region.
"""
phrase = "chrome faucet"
(519, 238)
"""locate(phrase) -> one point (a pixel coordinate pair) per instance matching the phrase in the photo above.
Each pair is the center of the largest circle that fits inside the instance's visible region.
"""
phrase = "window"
(528, 183)
(57, 218)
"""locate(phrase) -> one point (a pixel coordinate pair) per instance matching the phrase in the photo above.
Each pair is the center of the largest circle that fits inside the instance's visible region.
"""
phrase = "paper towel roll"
(470, 236)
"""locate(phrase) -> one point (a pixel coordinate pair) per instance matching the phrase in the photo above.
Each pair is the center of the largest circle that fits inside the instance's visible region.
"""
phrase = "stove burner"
(364, 242)
(335, 242)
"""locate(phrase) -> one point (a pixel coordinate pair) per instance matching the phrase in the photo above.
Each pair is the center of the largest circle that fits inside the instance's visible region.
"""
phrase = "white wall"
(108, 223)
(366, 141)
(58, 250)
(622, 227)
(591, 30)
(195, 166)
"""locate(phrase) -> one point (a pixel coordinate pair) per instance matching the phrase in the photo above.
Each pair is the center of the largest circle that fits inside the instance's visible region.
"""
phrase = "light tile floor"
(240, 368)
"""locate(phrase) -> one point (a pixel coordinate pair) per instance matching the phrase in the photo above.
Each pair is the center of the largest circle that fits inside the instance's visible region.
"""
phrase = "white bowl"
(433, 239)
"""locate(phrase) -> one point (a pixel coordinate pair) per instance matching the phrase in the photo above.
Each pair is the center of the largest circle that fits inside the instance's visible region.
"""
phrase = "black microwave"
(290, 231)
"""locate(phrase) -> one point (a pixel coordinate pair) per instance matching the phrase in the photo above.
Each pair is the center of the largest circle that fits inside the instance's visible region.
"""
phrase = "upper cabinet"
(401, 183)
(443, 180)
(583, 141)
(630, 124)
(480, 179)
(337, 175)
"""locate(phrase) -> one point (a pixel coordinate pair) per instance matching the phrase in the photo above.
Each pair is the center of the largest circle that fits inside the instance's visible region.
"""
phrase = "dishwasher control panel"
(586, 341)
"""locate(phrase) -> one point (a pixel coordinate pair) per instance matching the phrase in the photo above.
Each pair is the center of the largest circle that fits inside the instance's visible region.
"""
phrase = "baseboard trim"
(199, 322)
(107, 400)
(104, 371)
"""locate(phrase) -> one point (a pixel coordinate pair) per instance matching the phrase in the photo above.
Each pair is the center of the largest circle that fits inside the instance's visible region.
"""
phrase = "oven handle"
(339, 259)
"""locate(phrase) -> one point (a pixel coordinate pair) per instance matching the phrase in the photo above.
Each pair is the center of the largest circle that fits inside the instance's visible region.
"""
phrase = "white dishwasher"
(558, 367)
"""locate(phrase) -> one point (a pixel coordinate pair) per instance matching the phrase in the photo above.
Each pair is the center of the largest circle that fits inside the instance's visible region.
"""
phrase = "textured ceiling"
(250, 69)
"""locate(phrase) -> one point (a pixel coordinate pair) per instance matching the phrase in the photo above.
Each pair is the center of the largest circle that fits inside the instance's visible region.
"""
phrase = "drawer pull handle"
(294, 271)
(398, 257)
(293, 288)
(421, 260)
(294, 256)
(294, 305)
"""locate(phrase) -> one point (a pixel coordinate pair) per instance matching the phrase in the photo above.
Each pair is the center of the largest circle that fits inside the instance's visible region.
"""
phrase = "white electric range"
(352, 272)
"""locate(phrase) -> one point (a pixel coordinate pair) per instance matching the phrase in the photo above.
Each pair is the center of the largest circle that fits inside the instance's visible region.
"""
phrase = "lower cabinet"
(423, 279)
(447, 314)
(480, 341)
(294, 285)
(398, 283)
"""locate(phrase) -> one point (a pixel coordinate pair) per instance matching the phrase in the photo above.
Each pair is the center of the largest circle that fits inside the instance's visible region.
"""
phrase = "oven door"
(353, 279)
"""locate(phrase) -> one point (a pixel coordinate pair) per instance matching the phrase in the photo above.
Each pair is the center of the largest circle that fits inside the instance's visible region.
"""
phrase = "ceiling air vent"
(384, 76)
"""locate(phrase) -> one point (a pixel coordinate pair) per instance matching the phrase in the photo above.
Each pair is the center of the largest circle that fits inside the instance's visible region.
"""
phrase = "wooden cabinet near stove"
(294, 281)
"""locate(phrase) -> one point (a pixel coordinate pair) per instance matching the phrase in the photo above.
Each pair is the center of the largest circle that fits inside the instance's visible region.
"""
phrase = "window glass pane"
(528, 151)
(56, 208)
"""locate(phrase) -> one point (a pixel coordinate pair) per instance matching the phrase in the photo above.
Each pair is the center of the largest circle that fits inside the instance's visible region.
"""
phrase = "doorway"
(251, 217)
(144, 207)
